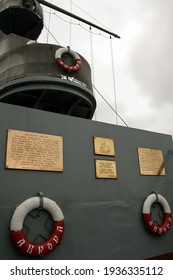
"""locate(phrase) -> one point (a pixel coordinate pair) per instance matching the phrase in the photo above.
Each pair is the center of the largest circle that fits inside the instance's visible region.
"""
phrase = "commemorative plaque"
(34, 151)
(151, 162)
(106, 169)
(104, 146)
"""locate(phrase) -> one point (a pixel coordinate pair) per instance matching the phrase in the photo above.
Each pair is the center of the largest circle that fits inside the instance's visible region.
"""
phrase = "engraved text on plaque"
(151, 162)
(106, 169)
(34, 151)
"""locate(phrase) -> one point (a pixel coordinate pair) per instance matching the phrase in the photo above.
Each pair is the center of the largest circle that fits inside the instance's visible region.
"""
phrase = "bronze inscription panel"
(34, 151)
(104, 146)
(106, 169)
(151, 162)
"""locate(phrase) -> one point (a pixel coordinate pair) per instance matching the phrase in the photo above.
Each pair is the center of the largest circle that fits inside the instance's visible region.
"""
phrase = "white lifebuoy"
(151, 226)
(16, 226)
(58, 55)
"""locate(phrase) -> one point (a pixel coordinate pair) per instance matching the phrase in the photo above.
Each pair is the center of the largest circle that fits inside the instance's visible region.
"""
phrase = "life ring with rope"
(68, 68)
(16, 225)
(150, 225)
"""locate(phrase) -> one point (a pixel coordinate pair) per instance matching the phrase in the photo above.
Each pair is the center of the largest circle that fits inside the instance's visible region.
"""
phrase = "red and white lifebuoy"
(58, 55)
(151, 226)
(16, 226)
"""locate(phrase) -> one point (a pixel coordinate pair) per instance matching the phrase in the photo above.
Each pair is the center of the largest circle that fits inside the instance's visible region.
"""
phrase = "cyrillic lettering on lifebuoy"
(155, 229)
(50, 246)
(29, 250)
(165, 230)
(59, 228)
(21, 242)
(18, 237)
(56, 239)
(40, 249)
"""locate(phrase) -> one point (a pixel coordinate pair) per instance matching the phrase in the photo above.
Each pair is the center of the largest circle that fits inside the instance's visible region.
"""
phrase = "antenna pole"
(50, 5)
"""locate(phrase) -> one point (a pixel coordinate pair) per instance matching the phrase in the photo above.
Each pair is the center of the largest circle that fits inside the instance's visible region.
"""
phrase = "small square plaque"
(106, 169)
(104, 146)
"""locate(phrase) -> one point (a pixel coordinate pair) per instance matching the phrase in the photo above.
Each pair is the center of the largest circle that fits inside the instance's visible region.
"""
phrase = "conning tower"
(42, 76)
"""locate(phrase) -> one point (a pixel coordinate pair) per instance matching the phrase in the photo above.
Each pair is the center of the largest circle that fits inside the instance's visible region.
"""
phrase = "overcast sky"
(143, 59)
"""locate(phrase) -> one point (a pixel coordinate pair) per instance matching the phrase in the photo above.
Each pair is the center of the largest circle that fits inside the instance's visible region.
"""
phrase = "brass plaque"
(106, 169)
(34, 151)
(151, 162)
(104, 146)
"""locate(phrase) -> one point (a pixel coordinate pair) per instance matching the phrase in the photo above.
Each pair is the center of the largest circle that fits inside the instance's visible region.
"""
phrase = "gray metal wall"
(103, 217)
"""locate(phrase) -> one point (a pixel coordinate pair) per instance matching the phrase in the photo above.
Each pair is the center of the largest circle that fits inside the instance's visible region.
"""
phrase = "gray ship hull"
(103, 217)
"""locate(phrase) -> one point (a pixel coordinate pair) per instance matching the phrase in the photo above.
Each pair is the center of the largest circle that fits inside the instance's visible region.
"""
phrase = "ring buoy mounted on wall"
(151, 226)
(68, 68)
(16, 226)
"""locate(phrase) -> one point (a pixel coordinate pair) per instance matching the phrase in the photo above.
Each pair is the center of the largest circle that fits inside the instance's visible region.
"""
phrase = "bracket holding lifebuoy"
(68, 68)
(150, 225)
(16, 226)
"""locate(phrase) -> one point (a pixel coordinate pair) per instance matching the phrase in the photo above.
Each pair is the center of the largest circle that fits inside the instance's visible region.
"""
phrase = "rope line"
(93, 33)
(92, 56)
(70, 31)
(110, 106)
(89, 15)
(52, 35)
(49, 24)
(79, 24)
(92, 62)
(113, 76)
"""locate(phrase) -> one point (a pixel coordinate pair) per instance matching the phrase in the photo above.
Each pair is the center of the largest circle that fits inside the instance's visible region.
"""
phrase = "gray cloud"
(151, 59)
